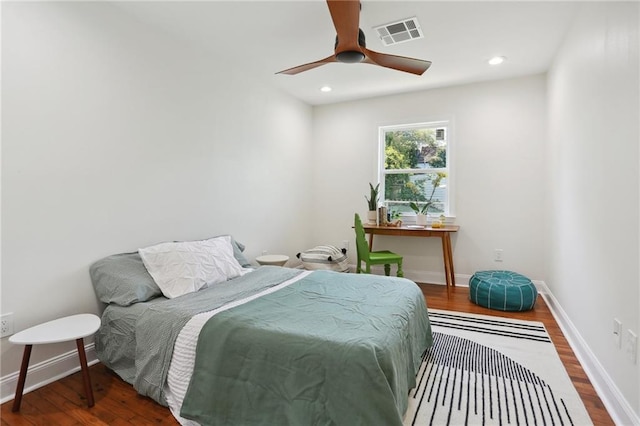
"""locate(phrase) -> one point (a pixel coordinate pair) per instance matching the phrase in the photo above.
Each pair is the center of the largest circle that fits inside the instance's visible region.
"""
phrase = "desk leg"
(445, 257)
(370, 241)
(85, 372)
(22, 378)
(450, 256)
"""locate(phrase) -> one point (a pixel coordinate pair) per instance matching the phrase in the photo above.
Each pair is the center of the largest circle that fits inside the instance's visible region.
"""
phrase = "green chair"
(382, 257)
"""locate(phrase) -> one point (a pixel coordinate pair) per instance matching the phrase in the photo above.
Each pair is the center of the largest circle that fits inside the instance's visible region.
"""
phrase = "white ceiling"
(269, 36)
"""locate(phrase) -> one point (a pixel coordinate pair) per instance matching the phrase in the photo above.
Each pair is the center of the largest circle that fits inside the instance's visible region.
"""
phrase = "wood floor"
(116, 403)
(458, 300)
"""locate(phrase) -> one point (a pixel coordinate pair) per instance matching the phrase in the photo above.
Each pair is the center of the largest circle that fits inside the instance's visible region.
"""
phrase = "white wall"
(115, 137)
(499, 171)
(593, 253)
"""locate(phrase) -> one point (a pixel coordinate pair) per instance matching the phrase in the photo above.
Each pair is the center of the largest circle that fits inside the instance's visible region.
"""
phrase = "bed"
(269, 346)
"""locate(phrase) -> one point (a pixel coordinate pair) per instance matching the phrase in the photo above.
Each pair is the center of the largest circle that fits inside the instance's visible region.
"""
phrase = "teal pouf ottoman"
(502, 290)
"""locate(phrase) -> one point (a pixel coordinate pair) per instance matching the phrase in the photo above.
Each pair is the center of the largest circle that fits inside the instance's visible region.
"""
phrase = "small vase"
(372, 216)
(421, 219)
(382, 216)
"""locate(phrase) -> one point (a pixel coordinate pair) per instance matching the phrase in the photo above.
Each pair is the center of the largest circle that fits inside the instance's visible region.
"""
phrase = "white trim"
(419, 276)
(442, 121)
(46, 372)
(618, 407)
(462, 280)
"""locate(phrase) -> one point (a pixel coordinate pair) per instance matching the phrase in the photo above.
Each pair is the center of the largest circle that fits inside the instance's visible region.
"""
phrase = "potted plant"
(422, 211)
(372, 202)
(395, 217)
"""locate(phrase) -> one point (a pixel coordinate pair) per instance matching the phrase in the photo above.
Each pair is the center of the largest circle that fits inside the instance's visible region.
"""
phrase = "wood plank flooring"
(458, 300)
(116, 402)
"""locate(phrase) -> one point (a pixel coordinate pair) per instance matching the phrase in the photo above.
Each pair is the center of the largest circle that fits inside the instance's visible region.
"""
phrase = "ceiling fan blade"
(309, 66)
(350, 44)
(400, 63)
(346, 19)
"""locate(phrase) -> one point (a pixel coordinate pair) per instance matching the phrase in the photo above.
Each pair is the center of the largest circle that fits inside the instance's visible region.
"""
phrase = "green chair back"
(361, 240)
(382, 257)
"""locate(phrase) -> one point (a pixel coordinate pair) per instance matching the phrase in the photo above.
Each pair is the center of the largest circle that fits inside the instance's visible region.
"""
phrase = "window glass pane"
(414, 167)
(435, 209)
(402, 188)
(415, 149)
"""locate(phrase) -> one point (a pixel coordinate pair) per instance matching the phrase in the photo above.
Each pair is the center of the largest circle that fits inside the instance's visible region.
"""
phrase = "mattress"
(115, 341)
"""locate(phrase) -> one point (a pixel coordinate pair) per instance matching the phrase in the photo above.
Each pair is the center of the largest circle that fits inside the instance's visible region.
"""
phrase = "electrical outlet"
(497, 255)
(6, 325)
(617, 333)
(632, 345)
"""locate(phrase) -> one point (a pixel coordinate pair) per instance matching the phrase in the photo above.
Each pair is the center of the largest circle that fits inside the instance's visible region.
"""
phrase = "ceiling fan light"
(496, 60)
(350, 56)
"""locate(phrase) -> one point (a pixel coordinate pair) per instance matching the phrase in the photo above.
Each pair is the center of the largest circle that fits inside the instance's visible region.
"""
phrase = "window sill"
(410, 218)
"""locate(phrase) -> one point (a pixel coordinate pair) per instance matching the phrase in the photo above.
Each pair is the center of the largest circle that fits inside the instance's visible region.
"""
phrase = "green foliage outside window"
(412, 149)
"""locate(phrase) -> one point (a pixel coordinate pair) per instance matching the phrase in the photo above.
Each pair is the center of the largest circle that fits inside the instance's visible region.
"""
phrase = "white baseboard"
(421, 276)
(462, 280)
(618, 407)
(46, 372)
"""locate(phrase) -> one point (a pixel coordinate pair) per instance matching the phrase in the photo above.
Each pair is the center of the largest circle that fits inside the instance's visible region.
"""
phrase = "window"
(415, 167)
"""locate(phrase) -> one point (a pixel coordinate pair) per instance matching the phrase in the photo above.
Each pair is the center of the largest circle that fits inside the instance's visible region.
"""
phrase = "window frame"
(449, 208)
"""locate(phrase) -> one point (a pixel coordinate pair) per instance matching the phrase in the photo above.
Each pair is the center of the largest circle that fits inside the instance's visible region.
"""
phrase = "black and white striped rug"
(490, 370)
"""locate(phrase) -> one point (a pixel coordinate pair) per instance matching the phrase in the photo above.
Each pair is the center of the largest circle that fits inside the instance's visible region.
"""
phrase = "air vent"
(399, 31)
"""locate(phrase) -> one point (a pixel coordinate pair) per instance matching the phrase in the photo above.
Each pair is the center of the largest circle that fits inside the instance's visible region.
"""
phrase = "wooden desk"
(443, 233)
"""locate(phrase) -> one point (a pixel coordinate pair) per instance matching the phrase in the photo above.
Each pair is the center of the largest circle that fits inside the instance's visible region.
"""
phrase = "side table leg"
(85, 372)
(22, 377)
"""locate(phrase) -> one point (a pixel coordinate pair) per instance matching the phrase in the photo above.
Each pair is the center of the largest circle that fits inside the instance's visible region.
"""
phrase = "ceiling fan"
(350, 44)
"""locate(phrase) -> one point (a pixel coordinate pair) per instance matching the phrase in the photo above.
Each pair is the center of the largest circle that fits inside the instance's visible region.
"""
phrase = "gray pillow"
(238, 248)
(122, 279)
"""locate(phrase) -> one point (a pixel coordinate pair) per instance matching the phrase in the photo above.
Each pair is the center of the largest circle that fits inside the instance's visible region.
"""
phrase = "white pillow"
(184, 267)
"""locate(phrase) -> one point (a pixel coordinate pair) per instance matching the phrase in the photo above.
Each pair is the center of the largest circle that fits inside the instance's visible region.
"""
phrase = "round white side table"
(272, 259)
(74, 327)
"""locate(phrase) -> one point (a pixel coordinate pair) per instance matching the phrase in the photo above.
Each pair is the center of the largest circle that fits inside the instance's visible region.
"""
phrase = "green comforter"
(330, 349)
